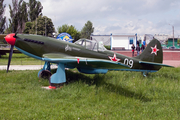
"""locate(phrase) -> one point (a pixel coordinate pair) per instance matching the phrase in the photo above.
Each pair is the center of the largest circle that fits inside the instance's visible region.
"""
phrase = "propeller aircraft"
(88, 56)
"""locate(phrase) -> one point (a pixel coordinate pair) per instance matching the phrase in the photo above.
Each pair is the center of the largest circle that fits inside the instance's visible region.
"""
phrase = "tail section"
(152, 53)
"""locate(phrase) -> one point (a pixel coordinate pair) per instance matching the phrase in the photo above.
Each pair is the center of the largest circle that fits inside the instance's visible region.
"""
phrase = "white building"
(116, 42)
(122, 41)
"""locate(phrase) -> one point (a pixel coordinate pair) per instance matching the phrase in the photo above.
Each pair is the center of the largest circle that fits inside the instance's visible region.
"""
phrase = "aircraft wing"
(157, 64)
(83, 62)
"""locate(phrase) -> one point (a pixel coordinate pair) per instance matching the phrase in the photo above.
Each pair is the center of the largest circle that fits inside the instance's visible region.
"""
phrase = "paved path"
(175, 63)
(24, 67)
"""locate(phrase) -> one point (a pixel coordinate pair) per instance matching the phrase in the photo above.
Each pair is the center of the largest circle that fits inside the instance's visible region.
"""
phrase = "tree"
(28, 27)
(23, 16)
(71, 30)
(2, 18)
(74, 33)
(21, 11)
(87, 30)
(35, 9)
(63, 28)
(17, 16)
(42, 26)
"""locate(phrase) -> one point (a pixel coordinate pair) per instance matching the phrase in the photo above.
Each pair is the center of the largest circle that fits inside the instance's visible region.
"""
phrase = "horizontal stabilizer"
(152, 63)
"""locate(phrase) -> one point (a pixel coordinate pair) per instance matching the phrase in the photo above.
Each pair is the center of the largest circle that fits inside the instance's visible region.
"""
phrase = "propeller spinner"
(10, 38)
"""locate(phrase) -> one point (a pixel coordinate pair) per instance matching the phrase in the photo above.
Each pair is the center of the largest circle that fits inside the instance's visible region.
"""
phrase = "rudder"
(152, 53)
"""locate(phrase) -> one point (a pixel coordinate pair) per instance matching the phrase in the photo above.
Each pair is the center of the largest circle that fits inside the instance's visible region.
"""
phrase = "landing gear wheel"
(60, 85)
(45, 74)
(145, 74)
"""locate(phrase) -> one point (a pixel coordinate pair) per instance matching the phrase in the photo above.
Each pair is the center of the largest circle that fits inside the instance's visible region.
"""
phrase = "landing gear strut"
(145, 74)
(59, 78)
(45, 72)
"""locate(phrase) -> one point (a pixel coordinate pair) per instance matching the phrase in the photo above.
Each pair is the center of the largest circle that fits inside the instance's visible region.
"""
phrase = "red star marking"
(154, 50)
(114, 58)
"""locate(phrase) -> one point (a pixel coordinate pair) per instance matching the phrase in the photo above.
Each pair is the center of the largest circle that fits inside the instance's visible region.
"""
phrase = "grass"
(20, 59)
(115, 95)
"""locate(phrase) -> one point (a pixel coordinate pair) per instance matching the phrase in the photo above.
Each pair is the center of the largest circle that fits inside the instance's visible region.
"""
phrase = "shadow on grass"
(99, 80)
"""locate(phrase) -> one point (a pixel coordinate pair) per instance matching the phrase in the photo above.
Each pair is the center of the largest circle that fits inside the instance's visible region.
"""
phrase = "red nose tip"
(10, 39)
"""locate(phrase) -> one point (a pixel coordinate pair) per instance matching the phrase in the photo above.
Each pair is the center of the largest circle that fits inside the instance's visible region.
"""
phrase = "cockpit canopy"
(91, 44)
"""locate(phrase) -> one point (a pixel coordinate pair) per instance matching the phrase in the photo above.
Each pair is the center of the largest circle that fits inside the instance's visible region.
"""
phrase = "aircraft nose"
(10, 38)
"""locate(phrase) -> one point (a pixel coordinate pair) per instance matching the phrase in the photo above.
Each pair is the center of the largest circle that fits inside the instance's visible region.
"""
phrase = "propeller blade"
(10, 56)
(11, 39)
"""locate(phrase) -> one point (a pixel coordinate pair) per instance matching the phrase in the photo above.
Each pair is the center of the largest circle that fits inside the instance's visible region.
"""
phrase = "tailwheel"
(145, 74)
(45, 74)
(55, 85)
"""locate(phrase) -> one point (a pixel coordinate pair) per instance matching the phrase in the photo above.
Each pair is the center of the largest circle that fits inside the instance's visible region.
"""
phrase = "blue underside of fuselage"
(101, 70)
(135, 70)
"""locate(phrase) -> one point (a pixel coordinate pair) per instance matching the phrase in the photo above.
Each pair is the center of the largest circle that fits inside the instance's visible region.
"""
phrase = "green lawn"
(111, 96)
(20, 59)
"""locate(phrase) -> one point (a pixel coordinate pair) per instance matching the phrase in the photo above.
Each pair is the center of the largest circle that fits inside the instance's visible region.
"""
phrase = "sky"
(114, 16)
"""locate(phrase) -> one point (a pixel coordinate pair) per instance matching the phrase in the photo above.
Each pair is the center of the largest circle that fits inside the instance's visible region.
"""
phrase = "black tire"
(45, 74)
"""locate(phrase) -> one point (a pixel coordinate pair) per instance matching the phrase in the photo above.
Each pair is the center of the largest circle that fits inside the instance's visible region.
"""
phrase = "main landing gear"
(57, 79)
(45, 73)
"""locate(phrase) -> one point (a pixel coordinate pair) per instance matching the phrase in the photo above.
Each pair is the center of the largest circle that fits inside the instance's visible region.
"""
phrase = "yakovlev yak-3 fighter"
(88, 56)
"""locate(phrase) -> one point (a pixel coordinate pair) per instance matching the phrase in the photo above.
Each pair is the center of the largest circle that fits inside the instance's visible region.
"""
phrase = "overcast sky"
(114, 16)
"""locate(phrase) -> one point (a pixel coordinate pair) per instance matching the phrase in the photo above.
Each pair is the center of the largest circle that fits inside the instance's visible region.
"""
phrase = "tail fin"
(152, 53)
